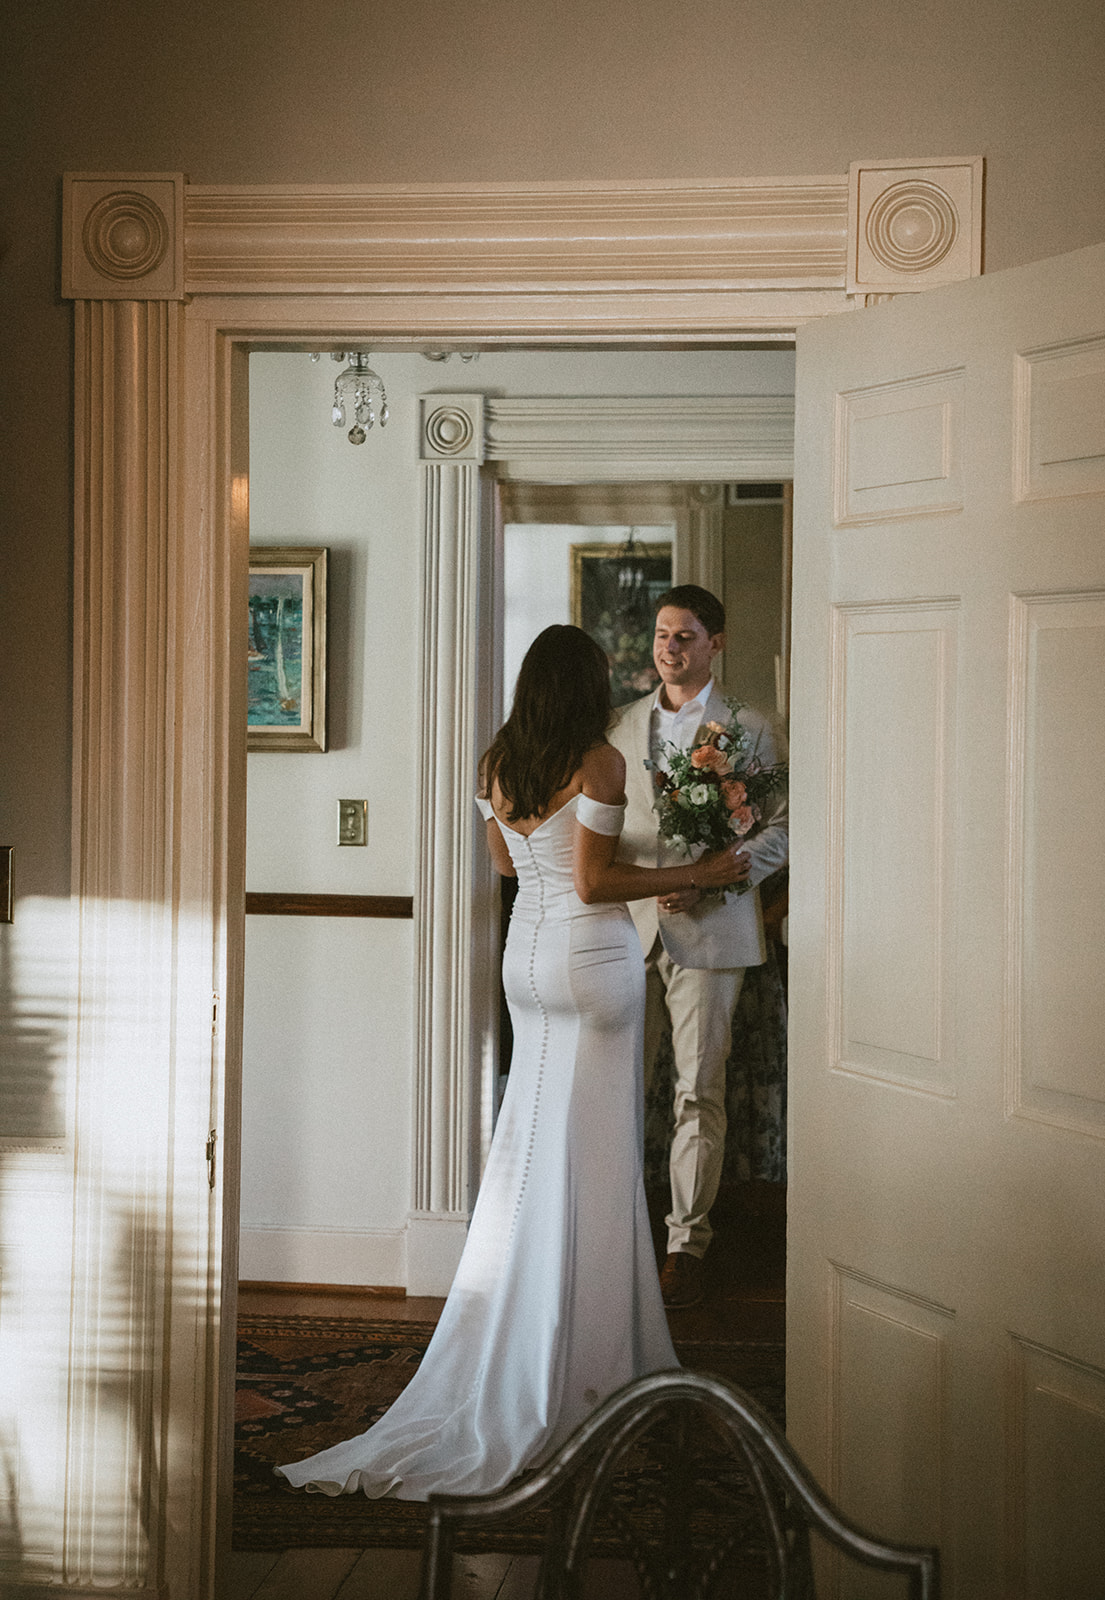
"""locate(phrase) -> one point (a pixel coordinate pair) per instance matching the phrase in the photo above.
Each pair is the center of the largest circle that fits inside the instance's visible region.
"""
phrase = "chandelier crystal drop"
(358, 394)
(632, 579)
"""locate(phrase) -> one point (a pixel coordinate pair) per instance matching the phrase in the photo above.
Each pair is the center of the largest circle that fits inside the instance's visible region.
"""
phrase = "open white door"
(946, 1296)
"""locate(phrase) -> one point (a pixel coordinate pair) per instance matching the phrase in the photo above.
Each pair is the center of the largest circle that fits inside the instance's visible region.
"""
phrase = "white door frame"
(174, 284)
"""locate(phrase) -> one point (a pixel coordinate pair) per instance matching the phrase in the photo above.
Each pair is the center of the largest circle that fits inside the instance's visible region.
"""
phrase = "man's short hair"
(700, 602)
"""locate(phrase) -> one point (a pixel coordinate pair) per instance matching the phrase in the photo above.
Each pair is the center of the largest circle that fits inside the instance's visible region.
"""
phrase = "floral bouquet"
(715, 791)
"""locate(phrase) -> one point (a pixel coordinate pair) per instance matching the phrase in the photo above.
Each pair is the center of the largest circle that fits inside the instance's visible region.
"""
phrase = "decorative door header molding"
(161, 496)
(694, 259)
(617, 439)
(755, 234)
(604, 439)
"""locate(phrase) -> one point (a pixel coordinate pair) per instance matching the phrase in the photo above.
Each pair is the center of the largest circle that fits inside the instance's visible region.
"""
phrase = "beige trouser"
(700, 1002)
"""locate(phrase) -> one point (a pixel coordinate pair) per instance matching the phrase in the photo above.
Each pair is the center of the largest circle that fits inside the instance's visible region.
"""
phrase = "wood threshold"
(330, 905)
(375, 1291)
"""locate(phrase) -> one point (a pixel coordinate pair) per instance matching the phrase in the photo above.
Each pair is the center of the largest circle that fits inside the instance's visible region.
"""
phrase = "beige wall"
(507, 89)
(753, 567)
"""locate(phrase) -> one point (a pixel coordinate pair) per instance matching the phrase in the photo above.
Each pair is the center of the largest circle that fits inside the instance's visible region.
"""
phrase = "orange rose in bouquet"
(714, 791)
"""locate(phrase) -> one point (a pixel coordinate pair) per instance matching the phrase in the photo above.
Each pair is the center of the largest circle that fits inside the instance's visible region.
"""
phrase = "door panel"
(1058, 1007)
(946, 1316)
(893, 706)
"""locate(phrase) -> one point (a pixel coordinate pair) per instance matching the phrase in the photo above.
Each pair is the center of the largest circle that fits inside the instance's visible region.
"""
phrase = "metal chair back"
(684, 1414)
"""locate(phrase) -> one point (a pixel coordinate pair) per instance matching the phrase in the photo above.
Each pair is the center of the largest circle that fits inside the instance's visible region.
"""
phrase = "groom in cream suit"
(696, 948)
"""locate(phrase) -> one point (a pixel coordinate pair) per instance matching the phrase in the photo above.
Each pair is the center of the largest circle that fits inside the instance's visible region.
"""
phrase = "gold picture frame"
(619, 615)
(287, 647)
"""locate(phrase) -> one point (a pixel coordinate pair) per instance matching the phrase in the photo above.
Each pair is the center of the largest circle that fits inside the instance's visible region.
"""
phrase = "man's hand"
(679, 900)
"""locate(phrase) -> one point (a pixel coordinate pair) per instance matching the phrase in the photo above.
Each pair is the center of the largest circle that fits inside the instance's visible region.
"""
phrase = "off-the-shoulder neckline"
(579, 795)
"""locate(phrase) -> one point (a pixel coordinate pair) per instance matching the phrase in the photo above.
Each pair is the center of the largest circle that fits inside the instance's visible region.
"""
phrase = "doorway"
(334, 1218)
(564, 560)
(588, 275)
(169, 630)
(283, 507)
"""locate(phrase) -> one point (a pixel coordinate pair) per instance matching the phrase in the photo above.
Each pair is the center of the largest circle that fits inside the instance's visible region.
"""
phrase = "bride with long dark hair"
(556, 1301)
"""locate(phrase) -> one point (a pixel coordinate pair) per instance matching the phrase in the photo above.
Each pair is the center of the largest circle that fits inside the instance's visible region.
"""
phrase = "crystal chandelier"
(631, 576)
(358, 392)
(447, 355)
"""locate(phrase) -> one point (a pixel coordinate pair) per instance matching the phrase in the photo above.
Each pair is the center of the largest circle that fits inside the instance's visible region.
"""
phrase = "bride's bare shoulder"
(603, 773)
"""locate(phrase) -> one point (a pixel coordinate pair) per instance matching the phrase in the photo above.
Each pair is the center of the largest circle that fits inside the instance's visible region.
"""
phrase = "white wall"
(326, 1170)
(537, 587)
(326, 1112)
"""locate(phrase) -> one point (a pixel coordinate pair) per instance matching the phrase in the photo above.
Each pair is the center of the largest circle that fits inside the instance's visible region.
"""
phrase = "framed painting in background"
(614, 590)
(287, 647)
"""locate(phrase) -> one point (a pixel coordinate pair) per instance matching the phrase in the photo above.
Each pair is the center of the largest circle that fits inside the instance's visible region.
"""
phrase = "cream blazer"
(715, 933)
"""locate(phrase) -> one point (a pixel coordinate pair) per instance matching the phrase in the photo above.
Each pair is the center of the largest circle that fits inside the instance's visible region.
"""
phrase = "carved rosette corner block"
(452, 428)
(123, 236)
(706, 494)
(913, 224)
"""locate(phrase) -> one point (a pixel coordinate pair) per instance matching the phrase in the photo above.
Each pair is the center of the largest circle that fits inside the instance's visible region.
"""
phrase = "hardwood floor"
(394, 1575)
(301, 1300)
(744, 1299)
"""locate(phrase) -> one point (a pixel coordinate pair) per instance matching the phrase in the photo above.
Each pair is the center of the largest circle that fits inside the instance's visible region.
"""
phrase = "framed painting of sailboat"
(287, 647)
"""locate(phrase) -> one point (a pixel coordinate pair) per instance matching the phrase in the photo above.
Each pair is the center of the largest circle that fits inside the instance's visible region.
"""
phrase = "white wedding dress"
(556, 1301)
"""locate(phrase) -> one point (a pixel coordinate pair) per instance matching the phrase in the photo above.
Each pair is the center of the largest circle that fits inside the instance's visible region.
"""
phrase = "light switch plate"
(352, 821)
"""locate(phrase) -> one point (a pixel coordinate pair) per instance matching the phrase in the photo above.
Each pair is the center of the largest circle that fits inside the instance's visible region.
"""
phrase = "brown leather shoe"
(681, 1281)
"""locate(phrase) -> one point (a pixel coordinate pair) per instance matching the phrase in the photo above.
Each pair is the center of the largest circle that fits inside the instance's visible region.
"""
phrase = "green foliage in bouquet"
(716, 791)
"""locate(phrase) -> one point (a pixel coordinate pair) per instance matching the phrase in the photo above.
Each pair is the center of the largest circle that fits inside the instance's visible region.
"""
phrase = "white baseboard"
(434, 1245)
(324, 1255)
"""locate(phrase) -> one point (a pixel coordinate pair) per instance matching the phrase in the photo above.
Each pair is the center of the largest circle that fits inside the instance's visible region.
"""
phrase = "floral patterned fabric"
(756, 1087)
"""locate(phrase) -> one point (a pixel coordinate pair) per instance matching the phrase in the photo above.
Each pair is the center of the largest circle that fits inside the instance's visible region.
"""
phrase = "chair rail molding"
(174, 284)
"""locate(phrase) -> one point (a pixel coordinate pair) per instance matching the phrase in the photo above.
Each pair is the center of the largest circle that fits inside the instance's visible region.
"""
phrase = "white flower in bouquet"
(714, 791)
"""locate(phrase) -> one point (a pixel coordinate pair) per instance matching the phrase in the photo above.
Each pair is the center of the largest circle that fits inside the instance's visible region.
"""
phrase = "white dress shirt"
(676, 727)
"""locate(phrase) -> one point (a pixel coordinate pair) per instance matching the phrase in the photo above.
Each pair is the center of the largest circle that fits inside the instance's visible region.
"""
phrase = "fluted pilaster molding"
(700, 554)
(131, 1519)
(451, 429)
(702, 560)
(126, 355)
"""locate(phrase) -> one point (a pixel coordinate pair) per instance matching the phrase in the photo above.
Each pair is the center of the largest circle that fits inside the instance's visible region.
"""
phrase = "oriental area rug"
(306, 1382)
